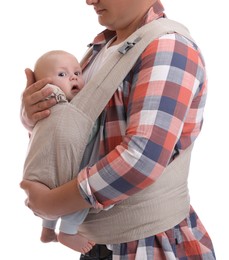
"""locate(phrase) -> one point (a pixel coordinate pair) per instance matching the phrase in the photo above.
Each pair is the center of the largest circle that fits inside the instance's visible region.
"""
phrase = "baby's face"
(65, 71)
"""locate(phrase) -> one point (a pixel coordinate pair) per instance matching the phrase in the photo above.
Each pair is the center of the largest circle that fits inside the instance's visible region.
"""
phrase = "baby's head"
(64, 70)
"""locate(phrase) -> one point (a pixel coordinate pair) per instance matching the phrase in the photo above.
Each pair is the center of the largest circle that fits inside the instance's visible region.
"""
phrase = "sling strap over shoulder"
(98, 91)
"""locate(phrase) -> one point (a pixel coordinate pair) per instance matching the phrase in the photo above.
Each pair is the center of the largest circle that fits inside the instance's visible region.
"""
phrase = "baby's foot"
(48, 235)
(76, 242)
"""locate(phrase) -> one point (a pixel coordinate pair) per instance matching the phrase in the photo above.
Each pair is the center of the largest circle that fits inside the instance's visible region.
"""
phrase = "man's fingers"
(41, 115)
(36, 103)
(35, 93)
(24, 185)
(30, 77)
(37, 86)
(27, 203)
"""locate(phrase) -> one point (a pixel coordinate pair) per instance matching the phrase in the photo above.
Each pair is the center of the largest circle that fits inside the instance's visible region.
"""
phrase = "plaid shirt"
(155, 112)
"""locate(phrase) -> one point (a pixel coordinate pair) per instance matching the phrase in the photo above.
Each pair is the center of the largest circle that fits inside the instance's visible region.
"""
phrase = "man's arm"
(51, 204)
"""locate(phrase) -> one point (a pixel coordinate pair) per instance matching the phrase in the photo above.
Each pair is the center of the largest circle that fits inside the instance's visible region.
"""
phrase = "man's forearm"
(66, 199)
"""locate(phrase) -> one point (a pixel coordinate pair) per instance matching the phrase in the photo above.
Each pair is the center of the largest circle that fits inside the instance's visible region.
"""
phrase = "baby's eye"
(77, 73)
(62, 74)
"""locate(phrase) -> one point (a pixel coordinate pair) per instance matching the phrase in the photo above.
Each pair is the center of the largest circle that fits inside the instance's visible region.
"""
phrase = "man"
(154, 116)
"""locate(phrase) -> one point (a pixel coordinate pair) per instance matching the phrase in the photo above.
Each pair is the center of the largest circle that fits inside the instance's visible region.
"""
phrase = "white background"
(29, 28)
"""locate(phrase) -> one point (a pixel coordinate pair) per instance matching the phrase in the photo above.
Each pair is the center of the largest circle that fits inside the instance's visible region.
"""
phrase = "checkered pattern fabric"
(155, 112)
(186, 241)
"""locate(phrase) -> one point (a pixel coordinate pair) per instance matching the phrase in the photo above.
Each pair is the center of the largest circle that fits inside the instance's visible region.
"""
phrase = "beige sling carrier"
(155, 209)
(165, 203)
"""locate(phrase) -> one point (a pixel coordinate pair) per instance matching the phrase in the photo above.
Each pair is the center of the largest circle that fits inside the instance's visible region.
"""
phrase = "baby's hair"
(42, 59)
(47, 54)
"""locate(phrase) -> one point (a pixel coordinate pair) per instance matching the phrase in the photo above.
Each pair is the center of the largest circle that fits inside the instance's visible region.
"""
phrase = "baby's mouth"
(75, 87)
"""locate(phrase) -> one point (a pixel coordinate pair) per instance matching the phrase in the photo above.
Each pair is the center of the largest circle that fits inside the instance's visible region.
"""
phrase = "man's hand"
(35, 106)
(53, 203)
(37, 198)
